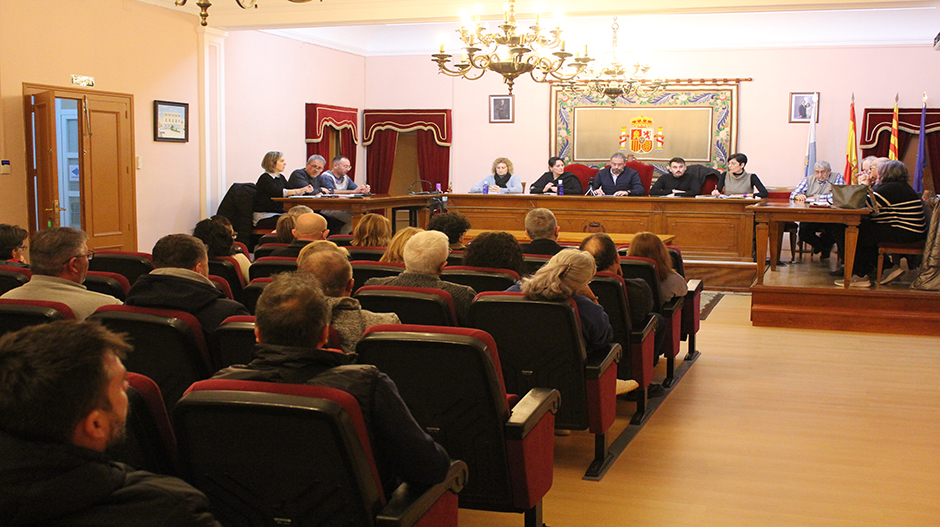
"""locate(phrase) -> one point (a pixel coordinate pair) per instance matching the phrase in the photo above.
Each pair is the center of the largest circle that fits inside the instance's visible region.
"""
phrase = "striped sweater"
(900, 207)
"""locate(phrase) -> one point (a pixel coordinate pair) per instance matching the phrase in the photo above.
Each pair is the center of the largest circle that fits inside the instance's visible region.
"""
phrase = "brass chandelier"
(614, 79)
(204, 6)
(512, 53)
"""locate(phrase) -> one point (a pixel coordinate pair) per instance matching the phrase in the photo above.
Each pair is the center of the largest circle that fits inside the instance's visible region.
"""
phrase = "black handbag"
(850, 196)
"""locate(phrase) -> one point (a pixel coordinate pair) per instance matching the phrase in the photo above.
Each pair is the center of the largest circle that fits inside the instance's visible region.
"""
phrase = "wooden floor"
(769, 427)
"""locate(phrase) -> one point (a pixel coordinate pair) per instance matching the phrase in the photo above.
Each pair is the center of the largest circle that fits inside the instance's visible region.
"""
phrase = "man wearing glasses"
(59, 261)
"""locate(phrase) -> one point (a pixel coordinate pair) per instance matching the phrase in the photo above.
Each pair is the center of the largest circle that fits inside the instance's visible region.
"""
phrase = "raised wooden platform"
(884, 310)
(720, 275)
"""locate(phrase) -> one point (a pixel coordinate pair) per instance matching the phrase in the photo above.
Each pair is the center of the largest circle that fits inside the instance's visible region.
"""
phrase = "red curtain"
(884, 140)
(933, 158)
(380, 160)
(347, 146)
(433, 160)
(322, 148)
(875, 135)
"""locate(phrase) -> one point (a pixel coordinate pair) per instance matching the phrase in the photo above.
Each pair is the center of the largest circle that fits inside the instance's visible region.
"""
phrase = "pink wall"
(129, 47)
(268, 81)
(775, 147)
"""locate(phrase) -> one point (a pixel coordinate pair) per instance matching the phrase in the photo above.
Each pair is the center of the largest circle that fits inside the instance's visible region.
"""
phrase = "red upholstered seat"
(271, 265)
(413, 305)
(235, 338)
(150, 443)
(265, 250)
(452, 381)
(310, 461)
(358, 252)
(13, 277)
(18, 314)
(223, 285)
(132, 265)
(112, 284)
(583, 172)
(253, 291)
(646, 174)
(534, 353)
(363, 270)
(481, 278)
(228, 268)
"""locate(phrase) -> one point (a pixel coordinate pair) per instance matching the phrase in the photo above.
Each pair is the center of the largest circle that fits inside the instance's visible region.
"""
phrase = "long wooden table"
(769, 216)
(416, 204)
(706, 228)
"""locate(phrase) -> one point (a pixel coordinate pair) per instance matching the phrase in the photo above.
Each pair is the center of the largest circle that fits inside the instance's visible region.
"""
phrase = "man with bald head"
(308, 227)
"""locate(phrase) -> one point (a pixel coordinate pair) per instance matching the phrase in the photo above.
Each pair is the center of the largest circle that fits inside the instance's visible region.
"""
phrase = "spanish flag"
(851, 149)
(893, 149)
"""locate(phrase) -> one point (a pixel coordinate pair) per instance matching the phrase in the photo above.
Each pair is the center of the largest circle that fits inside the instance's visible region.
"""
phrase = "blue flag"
(918, 182)
(810, 160)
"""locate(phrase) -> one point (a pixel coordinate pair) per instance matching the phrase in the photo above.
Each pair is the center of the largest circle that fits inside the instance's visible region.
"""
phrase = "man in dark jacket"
(542, 228)
(62, 403)
(180, 281)
(618, 179)
(291, 327)
(679, 181)
(308, 227)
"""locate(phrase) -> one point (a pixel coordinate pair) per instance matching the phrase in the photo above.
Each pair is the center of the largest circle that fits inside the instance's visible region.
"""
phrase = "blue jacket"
(628, 180)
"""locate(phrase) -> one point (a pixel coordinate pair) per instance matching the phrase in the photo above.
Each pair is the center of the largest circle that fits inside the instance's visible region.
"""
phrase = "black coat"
(569, 181)
(56, 485)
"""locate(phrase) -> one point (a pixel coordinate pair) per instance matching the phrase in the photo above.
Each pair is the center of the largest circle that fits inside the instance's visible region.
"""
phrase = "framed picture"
(171, 121)
(501, 108)
(801, 106)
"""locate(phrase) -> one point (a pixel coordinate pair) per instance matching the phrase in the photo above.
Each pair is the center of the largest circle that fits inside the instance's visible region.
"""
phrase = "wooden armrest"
(598, 362)
(695, 286)
(408, 504)
(529, 411)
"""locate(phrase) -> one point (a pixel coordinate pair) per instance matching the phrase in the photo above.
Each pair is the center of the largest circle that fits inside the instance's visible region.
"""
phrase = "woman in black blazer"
(555, 178)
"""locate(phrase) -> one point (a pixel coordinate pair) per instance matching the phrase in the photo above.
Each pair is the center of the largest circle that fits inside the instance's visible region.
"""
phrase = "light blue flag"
(918, 182)
(810, 160)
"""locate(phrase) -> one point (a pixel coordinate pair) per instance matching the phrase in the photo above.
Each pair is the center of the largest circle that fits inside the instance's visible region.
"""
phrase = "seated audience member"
(867, 171)
(618, 179)
(393, 253)
(676, 182)
(219, 242)
(13, 245)
(291, 327)
(346, 316)
(308, 176)
(180, 281)
(737, 181)
(425, 257)
(648, 245)
(285, 224)
(321, 245)
(62, 404)
(822, 236)
(567, 275)
(272, 184)
(555, 178)
(454, 225)
(59, 261)
(337, 180)
(495, 249)
(899, 218)
(308, 227)
(373, 230)
(542, 229)
(503, 181)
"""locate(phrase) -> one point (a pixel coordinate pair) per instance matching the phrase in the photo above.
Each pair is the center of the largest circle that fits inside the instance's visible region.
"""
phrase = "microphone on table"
(590, 190)
(422, 191)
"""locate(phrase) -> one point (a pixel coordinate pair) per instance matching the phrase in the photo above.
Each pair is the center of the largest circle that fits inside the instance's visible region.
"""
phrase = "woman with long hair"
(393, 254)
(373, 230)
(648, 245)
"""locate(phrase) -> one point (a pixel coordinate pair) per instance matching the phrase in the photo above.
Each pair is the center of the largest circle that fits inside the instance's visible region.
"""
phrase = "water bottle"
(561, 189)
(486, 189)
(437, 187)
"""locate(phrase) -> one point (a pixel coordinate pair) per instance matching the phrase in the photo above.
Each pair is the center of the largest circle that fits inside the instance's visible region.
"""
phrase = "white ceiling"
(854, 27)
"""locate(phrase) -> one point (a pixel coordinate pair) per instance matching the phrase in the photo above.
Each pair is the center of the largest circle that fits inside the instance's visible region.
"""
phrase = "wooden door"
(108, 204)
(45, 164)
(106, 159)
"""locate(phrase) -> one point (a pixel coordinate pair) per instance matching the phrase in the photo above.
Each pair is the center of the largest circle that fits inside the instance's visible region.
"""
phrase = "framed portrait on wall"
(171, 121)
(501, 109)
(801, 107)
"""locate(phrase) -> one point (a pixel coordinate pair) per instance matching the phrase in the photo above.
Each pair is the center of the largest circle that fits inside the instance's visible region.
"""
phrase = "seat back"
(253, 291)
(169, 346)
(222, 285)
(645, 269)
(357, 252)
(150, 444)
(455, 258)
(583, 172)
(534, 353)
(450, 378)
(342, 240)
(263, 251)
(132, 265)
(18, 314)
(534, 262)
(611, 293)
(363, 270)
(271, 265)
(481, 278)
(266, 239)
(13, 277)
(413, 305)
(676, 256)
(228, 269)
(236, 338)
(112, 284)
(278, 454)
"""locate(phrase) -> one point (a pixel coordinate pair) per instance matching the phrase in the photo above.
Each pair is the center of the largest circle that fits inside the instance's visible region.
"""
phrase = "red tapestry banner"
(878, 120)
(319, 116)
(436, 121)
